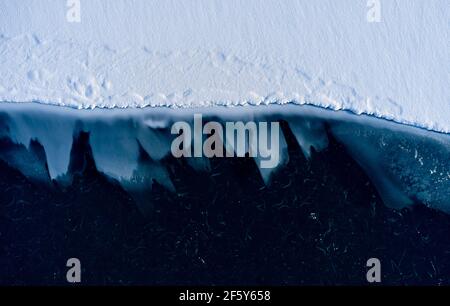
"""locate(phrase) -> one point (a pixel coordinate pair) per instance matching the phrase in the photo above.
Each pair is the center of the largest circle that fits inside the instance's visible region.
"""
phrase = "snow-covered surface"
(140, 53)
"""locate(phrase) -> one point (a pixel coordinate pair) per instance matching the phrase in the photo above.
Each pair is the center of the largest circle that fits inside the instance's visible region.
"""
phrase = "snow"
(125, 54)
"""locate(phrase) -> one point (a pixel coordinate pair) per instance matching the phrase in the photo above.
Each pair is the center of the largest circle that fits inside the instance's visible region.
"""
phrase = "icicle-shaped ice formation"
(405, 163)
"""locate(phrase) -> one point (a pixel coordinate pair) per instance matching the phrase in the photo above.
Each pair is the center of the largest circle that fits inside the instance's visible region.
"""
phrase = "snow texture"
(129, 54)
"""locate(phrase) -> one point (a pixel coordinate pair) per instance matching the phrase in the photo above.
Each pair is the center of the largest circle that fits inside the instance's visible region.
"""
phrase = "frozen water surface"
(128, 54)
(406, 164)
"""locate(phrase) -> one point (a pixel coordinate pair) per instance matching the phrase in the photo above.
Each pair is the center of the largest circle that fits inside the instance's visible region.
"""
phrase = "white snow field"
(137, 53)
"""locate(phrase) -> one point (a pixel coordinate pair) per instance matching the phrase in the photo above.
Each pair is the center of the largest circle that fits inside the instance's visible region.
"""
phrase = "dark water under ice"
(359, 192)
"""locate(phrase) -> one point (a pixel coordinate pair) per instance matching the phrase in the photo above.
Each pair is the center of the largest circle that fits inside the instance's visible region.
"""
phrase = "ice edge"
(226, 104)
